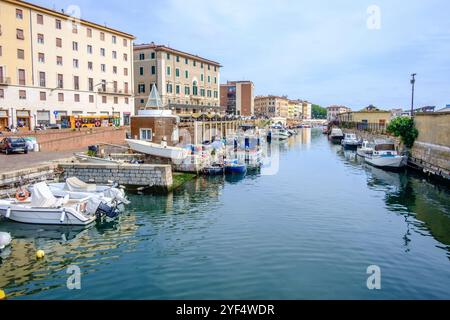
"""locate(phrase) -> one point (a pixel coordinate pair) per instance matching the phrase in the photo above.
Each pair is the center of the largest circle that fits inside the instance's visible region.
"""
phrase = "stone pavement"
(15, 162)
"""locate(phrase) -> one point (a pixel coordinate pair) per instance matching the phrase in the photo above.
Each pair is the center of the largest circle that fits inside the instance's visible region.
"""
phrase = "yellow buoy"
(2, 295)
(40, 254)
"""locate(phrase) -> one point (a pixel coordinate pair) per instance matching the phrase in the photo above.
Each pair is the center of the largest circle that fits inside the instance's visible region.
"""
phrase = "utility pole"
(413, 83)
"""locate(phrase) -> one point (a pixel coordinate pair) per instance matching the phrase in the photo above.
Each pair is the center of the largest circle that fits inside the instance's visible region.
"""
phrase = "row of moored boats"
(380, 153)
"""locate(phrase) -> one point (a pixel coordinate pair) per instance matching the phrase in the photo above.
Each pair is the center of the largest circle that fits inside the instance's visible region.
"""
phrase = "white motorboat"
(279, 133)
(45, 209)
(77, 189)
(365, 149)
(5, 240)
(385, 156)
(336, 135)
(350, 141)
(158, 150)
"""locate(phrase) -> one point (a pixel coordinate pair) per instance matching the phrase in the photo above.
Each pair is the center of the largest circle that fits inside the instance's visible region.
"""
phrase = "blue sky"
(322, 51)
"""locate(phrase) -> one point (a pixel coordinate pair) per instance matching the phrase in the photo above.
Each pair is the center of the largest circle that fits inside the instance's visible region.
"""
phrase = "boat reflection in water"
(424, 205)
(89, 247)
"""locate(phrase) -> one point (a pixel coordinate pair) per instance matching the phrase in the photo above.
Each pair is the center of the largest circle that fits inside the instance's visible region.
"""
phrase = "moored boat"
(214, 170)
(45, 209)
(234, 167)
(350, 141)
(365, 149)
(385, 156)
(336, 136)
(158, 150)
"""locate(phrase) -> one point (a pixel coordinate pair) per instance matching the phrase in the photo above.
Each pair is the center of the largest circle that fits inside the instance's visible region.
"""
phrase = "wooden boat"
(157, 150)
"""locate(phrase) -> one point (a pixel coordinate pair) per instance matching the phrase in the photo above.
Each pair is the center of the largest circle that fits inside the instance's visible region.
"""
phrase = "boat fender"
(63, 216)
(8, 213)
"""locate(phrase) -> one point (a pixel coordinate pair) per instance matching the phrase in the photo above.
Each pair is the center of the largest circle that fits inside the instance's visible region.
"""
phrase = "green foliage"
(91, 153)
(318, 112)
(404, 127)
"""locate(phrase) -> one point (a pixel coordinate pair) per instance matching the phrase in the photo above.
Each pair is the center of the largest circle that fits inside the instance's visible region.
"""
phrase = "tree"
(318, 112)
(405, 128)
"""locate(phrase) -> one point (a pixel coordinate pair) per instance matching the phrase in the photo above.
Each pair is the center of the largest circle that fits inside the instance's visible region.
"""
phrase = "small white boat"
(350, 141)
(365, 150)
(77, 189)
(5, 240)
(85, 158)
(158, 150)
(279, 133)
(385, 156)
(45, 209)
(336, 135)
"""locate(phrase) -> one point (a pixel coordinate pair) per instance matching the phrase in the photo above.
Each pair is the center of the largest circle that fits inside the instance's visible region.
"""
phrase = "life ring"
(22, 195)
(97, 124)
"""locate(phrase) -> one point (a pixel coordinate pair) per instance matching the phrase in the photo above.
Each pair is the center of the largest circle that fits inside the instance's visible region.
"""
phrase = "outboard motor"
(105, 210)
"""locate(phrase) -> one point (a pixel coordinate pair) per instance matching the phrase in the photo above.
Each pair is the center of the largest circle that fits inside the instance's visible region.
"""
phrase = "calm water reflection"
(308, 232)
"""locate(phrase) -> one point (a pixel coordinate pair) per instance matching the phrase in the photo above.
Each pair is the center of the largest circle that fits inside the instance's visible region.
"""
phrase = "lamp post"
(413, 83)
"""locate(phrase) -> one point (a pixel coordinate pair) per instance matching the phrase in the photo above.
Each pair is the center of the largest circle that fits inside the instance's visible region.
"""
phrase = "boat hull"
(396, 162)
(235, 169)
(38, 216)
(214, 171)
(157, 150)
(336, 139)
(350, 146)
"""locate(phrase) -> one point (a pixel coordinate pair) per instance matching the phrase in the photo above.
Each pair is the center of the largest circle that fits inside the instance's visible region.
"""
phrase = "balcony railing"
(114, 91)
(4, 81)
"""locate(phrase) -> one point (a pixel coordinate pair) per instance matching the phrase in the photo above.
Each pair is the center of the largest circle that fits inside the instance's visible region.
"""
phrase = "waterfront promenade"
(14, 162)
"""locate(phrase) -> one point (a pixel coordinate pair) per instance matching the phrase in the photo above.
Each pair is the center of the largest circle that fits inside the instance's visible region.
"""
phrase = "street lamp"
(413, 83)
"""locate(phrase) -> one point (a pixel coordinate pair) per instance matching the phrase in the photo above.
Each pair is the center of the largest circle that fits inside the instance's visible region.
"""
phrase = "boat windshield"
(385, 147)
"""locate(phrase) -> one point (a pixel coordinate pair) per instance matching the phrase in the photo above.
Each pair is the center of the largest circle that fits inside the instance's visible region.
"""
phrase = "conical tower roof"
(154, 100)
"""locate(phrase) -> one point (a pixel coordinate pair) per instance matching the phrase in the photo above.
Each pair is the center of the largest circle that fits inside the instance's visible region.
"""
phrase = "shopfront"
(43, 118)
(4, 122)
(23, 120)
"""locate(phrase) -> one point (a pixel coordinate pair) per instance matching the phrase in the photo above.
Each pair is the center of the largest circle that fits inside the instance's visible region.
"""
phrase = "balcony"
(5, 81)
(114, 91)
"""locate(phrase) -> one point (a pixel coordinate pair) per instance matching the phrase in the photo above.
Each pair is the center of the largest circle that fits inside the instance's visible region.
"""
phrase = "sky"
(346, 52)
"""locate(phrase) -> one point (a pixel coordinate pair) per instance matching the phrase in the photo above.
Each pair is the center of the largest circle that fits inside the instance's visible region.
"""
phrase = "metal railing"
(364, 126)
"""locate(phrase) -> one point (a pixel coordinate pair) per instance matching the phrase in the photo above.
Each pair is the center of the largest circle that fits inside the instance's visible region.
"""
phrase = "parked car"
(11, 145)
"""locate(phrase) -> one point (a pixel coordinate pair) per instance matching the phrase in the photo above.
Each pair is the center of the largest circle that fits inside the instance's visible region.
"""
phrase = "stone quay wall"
(67, 139)
(153, 177)
(431, 152)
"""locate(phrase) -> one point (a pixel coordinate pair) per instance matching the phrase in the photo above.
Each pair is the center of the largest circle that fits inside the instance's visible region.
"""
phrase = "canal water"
(308, 227)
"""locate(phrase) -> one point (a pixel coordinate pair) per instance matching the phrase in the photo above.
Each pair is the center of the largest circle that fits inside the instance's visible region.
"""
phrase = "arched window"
(195, 88)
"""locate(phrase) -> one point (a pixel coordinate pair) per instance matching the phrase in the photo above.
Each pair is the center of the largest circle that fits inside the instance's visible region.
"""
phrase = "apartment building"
(52, 65)
(334, 111)
(272, 106)
(237, 98)
(186, 83)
